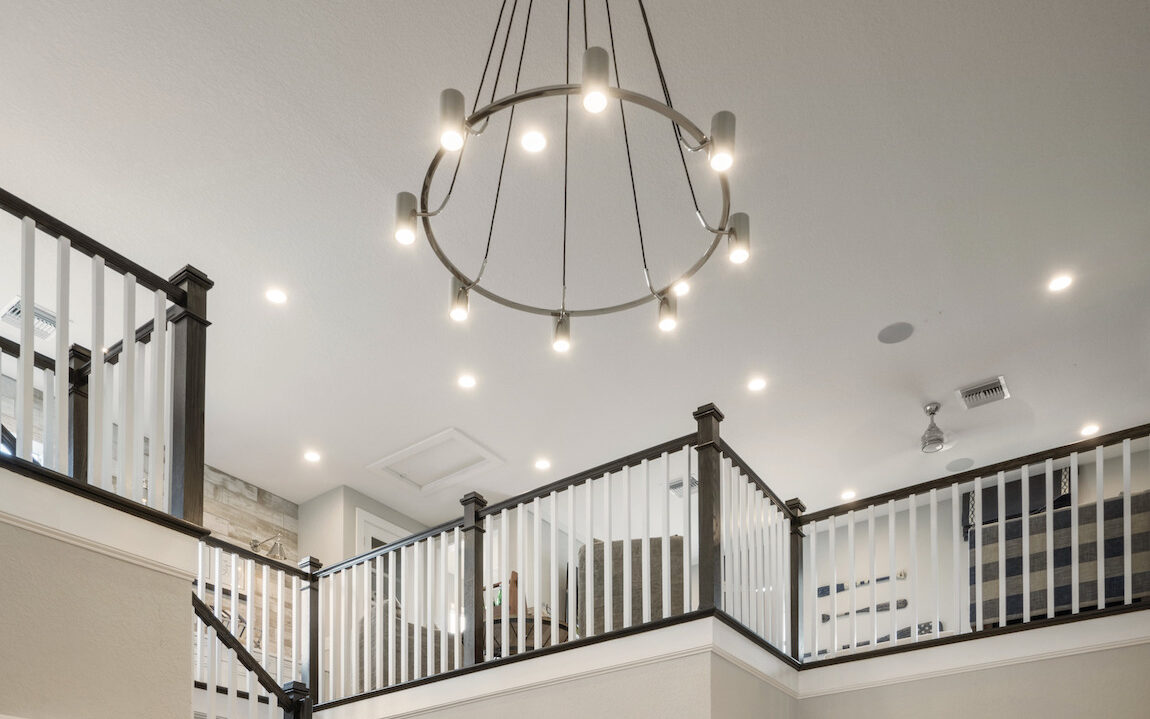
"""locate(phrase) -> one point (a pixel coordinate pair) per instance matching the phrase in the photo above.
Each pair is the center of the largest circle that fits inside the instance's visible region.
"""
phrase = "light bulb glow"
(561, 340)
(451, 119)
(668, 313)
(276, 296)
(533, 141)
(466, 381)
(848, 494)
(757, 384)
(721, 161)
(681, 288)
(542, 464)
(1060, 283)
(739, 239)
(595, 77)
(594, 101)
(460, 302)
(405, 218)
(722, 141)
(451, 140)
(312, 456)
(1089, 430)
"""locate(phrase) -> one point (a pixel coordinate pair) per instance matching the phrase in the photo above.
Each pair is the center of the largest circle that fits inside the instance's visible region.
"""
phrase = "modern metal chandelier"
(596, 92)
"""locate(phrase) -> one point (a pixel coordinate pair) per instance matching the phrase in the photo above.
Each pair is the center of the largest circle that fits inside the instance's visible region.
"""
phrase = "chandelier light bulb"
(681, 288)
(722, 147)
(668, 313)
(562, 337)
(460, 304)
(451, 120)
(739, 240)
(533, 141)
(595, 78)
(405, 218)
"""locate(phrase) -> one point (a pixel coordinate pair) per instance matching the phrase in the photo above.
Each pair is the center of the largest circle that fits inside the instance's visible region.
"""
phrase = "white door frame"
(368, 526)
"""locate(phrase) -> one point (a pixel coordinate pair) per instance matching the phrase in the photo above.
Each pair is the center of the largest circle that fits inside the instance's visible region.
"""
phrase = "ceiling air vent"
(985, 392)
(437, 462)
(44, 322)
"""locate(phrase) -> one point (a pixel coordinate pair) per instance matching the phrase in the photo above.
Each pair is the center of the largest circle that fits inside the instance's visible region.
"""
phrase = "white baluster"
(812, 578)
(976, 497)
(157, 426)
(1024, 520)
(126, 453)
(279, 626)
(665, 542)
(608, 557)
(63, 315)
(504, 582)
(249, 629)
(537, 572)
(392, 559)
(489, 592)
(934, 572)
(891, 534)
(1074, 587)
(853, 608)
(960, 578)
(628, 576)
(25, 364)
(688, 588)
(645, 545)
(835, 645)
(96, 378)
(1100, 526)
(553, 563)
(572, 570)
(1127, 590)
(913, 509)
(296, 673)
(1049, 538)
(589, 575)
(521, 565)
(873, 556)
(1001, 488)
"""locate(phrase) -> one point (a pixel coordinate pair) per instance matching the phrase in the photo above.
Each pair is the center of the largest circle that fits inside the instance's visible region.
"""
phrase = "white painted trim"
(46, 510)
(368, 525)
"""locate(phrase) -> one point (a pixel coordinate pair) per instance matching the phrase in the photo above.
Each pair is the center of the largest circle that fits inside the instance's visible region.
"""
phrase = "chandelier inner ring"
(635, 98)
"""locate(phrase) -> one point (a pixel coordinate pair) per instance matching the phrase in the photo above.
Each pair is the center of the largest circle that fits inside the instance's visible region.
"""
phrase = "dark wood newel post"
(473, 608)
(309, 634)
(797, 508)
(78, 413)
(189, 367)
(301, 706)
(710, 550)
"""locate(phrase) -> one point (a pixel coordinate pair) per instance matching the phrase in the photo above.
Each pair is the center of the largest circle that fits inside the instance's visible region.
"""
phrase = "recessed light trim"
(466, 381)
(312, 456)
(543, 464)
(757, 384)
(1060, 282)
(895, 333)
(276, 296)
(1089, 430)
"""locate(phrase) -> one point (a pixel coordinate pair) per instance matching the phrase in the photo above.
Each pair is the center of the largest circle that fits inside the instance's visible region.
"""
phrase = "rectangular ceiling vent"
(43, 321)
(437, 462)
(676, 486)
(985, 392)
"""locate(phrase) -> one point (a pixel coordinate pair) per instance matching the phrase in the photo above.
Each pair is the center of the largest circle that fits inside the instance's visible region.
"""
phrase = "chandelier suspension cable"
(627, 146)
(566, 143)
(585, 39)
(679, 141)
(474, 107)
(507, 137)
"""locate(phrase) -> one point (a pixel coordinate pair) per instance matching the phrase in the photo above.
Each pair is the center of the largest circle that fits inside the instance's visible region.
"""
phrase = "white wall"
(327, 523)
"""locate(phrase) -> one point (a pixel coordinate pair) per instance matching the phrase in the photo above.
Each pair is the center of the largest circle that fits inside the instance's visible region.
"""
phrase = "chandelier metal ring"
(483, 114)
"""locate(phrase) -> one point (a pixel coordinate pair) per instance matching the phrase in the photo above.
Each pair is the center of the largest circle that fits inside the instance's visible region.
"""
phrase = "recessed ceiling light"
(466, 381)
(542, 464)
(757, 384)
(1089, 430)
(681, 288)
(311, 455)
(895, 333)
(848, 494)
(276, 296)
(1060, 283)
(533, 141)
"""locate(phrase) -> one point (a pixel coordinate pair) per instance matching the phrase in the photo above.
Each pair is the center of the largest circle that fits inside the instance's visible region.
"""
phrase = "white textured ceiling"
(926, 162)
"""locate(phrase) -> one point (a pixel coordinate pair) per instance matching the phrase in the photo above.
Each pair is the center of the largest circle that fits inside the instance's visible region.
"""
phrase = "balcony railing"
(108, 362)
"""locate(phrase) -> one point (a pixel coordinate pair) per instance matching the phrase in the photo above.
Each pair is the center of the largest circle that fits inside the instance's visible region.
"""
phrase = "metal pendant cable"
(507, 137)
(566, 143)
(627, 146)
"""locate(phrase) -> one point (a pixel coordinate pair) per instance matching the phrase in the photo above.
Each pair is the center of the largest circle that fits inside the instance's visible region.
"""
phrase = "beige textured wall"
(115, 634)
(660, 690)
(1110, 683)
(739, 694)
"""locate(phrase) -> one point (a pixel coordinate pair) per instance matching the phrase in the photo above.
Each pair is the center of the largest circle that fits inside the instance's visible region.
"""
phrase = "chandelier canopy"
(596, 93)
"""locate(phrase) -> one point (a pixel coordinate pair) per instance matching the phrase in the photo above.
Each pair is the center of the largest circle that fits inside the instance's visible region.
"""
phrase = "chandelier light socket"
(668, 313)
(933, 439)
(722, 146)
(460, 301)
(405, 218)
(451, 115)
(562, 338)
(596, 73)
(739, 239)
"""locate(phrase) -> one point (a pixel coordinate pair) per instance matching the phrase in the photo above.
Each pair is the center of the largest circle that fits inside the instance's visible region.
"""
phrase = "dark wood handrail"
(398, 544)
(246, 659)
(102, 496)
(593, 473)
(50, 225)
(972, 474)
(758, 482)
(12, 349)
(214, 541)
